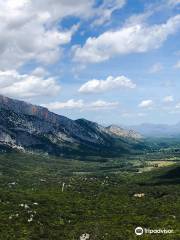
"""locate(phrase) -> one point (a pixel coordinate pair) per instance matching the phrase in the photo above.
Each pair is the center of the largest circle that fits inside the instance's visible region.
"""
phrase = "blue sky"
(111, 61)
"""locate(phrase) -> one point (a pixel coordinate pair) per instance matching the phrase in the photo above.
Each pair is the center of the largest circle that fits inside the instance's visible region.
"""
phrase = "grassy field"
(44, 198)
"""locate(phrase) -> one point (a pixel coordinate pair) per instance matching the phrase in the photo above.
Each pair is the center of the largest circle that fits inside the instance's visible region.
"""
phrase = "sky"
(109, 61)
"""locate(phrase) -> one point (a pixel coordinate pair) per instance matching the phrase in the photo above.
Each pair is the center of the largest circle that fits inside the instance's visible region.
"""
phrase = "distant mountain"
(158, 130)
(28, 127)
(121, 132)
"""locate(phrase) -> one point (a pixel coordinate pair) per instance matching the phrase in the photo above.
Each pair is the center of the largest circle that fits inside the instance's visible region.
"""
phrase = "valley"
(89, 120)
(63, 179)
(45, 197)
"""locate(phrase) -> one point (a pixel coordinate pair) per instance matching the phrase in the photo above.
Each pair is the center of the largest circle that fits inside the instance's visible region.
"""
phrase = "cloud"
(146, 103)
(174, 2)
(100, 104)
(177, 106)
(132, 115)
(40, 72)
(24, 86)
(31, 30)
(157, 67)
(95, 86)
(106, 9)
(136, 38)
(29, 40)
(177, 65)
(24, 37)
(80, 104)
(70, 104)
(168, 99)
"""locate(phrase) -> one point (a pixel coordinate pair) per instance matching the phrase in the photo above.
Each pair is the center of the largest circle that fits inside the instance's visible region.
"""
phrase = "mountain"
(28, 127)
(158, 130)
(121, 132)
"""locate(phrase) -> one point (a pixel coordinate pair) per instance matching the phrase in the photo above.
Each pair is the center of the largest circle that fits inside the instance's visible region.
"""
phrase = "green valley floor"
(44, 198)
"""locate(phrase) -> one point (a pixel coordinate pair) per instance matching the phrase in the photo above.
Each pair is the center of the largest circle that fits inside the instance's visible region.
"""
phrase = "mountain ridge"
(25, 126)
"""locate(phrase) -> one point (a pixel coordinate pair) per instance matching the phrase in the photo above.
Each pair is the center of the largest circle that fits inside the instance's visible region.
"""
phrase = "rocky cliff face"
(28, 127)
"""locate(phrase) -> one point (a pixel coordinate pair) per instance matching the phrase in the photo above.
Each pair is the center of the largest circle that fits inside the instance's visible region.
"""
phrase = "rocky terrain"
(24, 126)
(121, 132)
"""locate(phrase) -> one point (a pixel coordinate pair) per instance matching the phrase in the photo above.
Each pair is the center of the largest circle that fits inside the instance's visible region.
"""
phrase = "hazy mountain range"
(158, 130)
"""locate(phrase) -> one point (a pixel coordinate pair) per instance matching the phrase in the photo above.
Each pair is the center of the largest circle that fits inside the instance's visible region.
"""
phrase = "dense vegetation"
(48, 198)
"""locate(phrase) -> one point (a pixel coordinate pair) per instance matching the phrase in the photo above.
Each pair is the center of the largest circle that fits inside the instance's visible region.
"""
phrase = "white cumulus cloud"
(95, 86)
(80, 104)
(136, 38)
(146, 103)
(31, 30)
(13, 84)
(100, 104)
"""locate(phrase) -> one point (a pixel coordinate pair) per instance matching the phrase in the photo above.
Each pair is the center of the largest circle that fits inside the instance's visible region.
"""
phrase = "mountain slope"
(25, 126)
(121, 132)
